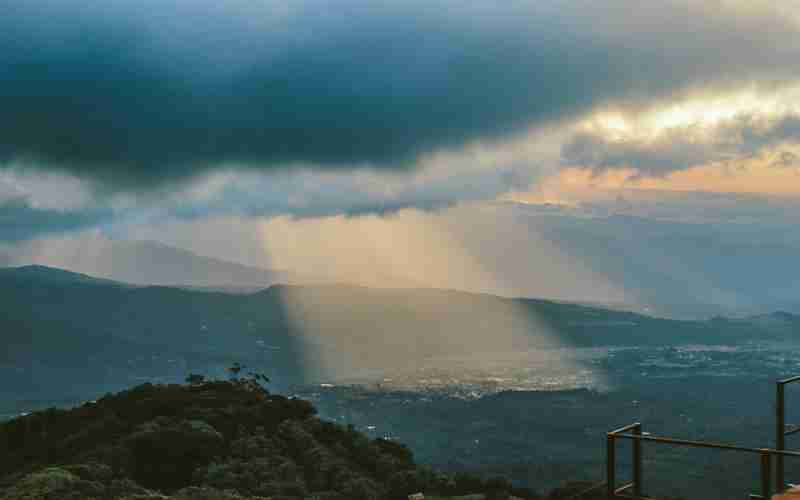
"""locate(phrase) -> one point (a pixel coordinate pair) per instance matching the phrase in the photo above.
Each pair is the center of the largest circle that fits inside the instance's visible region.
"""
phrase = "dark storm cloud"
(139, 93)
(680, 148)
(20, 221)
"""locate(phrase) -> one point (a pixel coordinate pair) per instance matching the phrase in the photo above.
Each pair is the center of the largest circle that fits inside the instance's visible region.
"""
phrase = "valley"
(537, 414)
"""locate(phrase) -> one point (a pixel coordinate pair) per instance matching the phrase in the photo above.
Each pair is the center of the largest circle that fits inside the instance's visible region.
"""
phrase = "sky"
(604, 150)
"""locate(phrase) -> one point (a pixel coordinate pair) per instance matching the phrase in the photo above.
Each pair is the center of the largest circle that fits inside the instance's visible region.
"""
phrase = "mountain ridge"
(144, 262)
(52, 274)
(102, 331)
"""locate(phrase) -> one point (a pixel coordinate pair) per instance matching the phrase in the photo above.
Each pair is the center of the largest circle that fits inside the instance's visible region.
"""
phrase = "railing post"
(637, 462)
(780, 435)
(611, 472)
(766, 474)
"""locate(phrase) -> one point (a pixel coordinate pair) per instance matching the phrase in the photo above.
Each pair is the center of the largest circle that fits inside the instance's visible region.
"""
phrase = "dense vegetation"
(70, 337)
(214, 440)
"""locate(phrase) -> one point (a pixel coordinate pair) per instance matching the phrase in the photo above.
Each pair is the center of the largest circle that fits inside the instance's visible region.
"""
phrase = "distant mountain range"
(58, 322)
(153, 263)
(143, 262)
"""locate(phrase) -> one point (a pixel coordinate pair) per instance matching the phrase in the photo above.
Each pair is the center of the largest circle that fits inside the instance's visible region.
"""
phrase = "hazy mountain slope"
(55, 310)
(151, 263)
(48, 275)
(52, 318)
(65, 301)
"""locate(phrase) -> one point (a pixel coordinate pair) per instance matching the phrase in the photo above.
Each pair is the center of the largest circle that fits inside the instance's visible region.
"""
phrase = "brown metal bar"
(611, 465)
(637, 462)
(582, 494)
(780, 432)
(765, 454)
(791, 429)
(634, 432)
(784, 453)
(689, 443)
(766, 474)
(704, 444)
(622, 489)
(626, 428)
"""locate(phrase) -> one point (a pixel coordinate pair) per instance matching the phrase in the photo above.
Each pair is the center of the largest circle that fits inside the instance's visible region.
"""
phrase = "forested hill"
(216, 441)
(52, 318)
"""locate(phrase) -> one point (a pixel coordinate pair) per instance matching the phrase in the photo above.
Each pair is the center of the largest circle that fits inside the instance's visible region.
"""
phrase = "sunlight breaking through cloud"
(420, 323)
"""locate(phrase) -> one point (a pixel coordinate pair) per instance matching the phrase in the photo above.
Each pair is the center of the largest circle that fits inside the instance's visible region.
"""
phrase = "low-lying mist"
(386, 329)
(354, 332)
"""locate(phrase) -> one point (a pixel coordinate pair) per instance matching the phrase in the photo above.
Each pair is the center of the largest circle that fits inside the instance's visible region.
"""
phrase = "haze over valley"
(437, 369)
(488, 231)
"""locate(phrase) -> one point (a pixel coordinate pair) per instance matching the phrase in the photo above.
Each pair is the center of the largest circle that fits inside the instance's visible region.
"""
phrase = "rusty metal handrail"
(600, 486)
(638, 437)
(781, 429)
(580, 495)
(636, 483)
(708, 444)
(634, 432)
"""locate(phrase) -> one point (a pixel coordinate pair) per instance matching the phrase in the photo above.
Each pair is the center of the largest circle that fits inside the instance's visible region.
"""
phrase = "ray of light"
(404, 323)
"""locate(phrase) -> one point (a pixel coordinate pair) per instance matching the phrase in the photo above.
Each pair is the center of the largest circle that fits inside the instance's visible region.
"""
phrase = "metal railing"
(633, 432)
(581, 495)
(611, 462)
(781, 429)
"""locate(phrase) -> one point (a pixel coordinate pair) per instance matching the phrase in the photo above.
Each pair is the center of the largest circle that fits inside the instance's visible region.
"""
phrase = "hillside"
(100, 331)
(214, 441)
(153, 263)
(47, 276)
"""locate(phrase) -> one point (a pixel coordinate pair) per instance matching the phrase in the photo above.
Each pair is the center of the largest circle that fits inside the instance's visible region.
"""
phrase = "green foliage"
(226, 439)
(235, 369)
(220, 440)
(252, 381)
(55, 483)
(195, 379)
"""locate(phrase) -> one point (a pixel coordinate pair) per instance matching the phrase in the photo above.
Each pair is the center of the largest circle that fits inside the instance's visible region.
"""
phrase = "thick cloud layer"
(315, 194)
(33, 205)
(680, 148)
(137, 93)
(20, 221)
